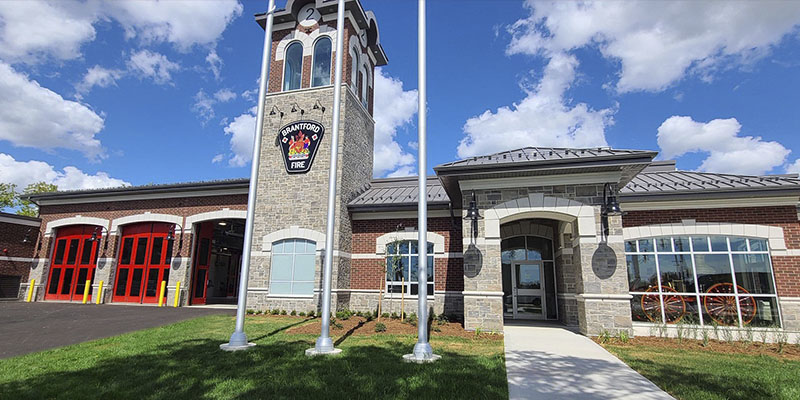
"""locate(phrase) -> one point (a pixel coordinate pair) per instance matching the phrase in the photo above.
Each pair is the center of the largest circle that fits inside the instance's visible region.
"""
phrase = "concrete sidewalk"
(550, 362)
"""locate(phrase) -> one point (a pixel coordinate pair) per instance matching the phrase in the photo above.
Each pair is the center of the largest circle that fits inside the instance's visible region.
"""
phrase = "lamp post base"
(230, 347)
(413, 358)
(313, 352)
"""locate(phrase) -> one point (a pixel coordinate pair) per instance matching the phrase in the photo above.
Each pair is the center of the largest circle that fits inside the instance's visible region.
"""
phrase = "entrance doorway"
(217, 262)
(144, 262)
(74, 261)
(528, 272)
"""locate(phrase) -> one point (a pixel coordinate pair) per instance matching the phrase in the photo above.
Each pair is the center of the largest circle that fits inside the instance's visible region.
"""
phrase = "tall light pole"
(238, 340)
(422, 350)
(324, 343)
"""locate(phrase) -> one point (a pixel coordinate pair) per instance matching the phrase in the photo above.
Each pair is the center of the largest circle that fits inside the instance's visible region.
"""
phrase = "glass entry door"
(527, 283)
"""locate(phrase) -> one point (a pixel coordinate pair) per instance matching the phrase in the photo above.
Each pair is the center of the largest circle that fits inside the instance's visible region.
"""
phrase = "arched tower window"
(293, 66)
(354, 71)
(321, 71)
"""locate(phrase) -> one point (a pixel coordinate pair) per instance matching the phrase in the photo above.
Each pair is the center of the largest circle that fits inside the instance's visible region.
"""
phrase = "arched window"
(321, 71)
(293, 264)
(293, 66)
(354, 71)
(364, 87)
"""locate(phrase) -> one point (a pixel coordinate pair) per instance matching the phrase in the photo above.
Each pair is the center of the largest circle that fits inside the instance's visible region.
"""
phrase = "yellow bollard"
(177, 294)
(86, 290)
(161, 294)
(30, 290)
(99, 292)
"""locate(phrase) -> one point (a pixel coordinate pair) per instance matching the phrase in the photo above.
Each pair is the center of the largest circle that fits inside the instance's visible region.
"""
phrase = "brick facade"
(15, 256)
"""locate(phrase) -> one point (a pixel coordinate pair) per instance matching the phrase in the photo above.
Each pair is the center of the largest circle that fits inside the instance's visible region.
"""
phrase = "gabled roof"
(398, 193)
(533, 156)
(662, 180)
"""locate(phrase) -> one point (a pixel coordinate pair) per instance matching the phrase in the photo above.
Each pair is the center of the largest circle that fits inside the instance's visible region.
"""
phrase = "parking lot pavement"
(30, 327)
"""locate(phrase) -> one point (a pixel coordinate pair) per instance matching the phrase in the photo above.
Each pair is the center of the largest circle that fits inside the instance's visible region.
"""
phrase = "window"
(293, 266)
(707, 280)
(364, 88)
(293, 66)
(354, 72)
(402, 267)
(321, 71)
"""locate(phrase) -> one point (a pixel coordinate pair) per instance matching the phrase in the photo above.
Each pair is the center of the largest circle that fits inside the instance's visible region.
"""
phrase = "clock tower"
(290, 215)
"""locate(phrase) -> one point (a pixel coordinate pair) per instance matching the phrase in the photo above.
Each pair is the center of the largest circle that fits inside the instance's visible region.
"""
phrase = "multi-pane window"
(321, 71)
(402, 266)
(293, 66)
(707, 280)
(293, 264)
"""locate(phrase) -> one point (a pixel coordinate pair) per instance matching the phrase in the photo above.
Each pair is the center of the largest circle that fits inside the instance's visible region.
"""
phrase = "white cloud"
(657, 43)
(62, 26)
(23, 173)
(224, 95)
(215, 63)
(727, 151)
(152, 65)
(30, 31)
(793, 168)
(180, 23)
(541, 119)
(218, 158)
(394, 108)
(97, 76)
(242, 129)
(34, 116)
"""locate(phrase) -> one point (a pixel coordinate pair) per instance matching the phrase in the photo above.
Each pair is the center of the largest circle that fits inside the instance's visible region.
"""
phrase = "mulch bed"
(791, 351)
(361, 327)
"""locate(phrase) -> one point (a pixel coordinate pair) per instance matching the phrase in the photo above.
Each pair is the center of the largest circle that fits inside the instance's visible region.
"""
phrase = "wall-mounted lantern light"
(171, 236)
(610, 207)
(27, 239)
(318, 106)
(97, 234)
(473, 214)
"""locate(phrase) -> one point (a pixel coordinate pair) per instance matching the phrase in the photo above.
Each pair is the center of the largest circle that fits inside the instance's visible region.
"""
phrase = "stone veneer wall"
(602, 298)
(299, 201)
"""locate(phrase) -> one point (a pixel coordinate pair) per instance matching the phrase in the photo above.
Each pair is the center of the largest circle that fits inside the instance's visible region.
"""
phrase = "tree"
(28, 208)
(11, 198)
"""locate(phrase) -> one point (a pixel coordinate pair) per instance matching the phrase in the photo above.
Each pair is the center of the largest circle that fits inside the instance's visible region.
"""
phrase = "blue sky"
(96, 94)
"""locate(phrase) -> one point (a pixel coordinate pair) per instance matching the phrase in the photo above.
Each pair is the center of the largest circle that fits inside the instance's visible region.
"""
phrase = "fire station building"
(595, 238)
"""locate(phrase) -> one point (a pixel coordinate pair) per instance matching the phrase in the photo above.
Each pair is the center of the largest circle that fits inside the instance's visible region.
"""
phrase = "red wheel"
(674, 305)
(722, 309)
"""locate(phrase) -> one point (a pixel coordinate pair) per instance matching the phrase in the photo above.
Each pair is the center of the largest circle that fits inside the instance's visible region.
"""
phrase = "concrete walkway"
(550, 362)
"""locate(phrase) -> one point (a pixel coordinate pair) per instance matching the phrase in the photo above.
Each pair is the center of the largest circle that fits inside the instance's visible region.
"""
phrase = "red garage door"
(144, 259)
(73, 263)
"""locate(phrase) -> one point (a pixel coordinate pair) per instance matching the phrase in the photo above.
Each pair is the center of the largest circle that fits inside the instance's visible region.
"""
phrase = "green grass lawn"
(690, 374)
(183, 361)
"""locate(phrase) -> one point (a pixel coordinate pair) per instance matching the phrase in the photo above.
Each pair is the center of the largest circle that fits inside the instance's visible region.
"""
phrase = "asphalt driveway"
(30, 327)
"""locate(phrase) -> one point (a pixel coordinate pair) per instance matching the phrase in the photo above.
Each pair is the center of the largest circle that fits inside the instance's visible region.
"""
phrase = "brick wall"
(786, 268)
(368, 273)
(12, 248)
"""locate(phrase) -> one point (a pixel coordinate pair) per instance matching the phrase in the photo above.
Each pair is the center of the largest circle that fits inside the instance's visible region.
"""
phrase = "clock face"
(308, 15)
(363, 37)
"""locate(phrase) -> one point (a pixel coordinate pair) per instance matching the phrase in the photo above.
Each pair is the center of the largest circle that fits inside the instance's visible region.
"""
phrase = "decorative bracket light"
(95, 237)
(276, 110)
(171, 236)
(296, 108)
(610, 207)
(473, 214)
(27, 238)
(318, 106)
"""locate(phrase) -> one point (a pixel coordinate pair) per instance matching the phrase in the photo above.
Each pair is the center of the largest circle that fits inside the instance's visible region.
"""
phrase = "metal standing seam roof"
(544, 155)
(677, 182)
(403, 192)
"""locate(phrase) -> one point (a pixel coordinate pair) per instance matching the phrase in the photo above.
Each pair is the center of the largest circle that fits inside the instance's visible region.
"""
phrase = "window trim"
(407, 285)
(698, 295)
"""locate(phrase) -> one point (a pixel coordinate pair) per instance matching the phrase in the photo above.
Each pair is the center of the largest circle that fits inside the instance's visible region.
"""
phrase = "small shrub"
(302, 313)
(441, 319)
(359, 314)
(395, 316)
(781, 338)
(412, 319)
(680, 331)
(250, 311)
(283, 312)
(727, 335)
(477, 333)
(311, 313)
(662, 330)
(385, 315)
(275, 312)
(369, 317)
(436, 328)
(715, 326)
(293, 313)
(763, 334)
(604, 336)
(337, 325)
(344, 315)
(705, 336)
(380, 327)
(623, 336)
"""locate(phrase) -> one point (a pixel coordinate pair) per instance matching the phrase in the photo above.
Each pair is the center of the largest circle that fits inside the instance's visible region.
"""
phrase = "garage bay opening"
(217, 261)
